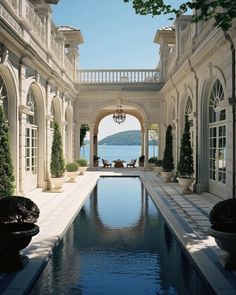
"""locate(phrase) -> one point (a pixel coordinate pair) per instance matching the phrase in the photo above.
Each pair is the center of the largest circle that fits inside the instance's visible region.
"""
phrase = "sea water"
(123, 152)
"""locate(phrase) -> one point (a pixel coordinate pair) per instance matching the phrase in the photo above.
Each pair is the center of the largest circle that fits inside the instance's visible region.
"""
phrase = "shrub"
(167, 163)
(158, 163)
(96, 158)
(72, 167)
(223, 212)
(152, 160)
(141, 158)
(185, 165)
(6, 168)
(82, 162)
(18, 209)
(57, 165)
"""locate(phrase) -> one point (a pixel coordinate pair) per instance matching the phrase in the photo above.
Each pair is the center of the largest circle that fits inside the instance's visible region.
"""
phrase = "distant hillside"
(131, 137)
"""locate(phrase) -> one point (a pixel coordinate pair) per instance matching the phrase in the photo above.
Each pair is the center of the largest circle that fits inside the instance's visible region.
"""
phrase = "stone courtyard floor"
(187, 215)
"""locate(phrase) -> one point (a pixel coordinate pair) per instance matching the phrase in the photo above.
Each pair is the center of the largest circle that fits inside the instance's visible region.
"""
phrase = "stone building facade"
(40, 82)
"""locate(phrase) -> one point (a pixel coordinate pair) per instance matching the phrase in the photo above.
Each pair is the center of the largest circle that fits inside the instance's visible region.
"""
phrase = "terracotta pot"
(185, 183)
(166, 175)
(13, 238)
(225, 237)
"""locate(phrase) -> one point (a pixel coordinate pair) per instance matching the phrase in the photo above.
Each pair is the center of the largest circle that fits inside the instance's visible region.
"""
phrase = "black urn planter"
(225, 238)
(13, 238)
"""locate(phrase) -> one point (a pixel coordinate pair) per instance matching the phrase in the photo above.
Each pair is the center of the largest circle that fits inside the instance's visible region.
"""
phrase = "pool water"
(119, 244)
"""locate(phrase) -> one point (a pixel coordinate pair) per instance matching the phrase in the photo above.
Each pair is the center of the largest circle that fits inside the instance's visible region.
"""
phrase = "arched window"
(189, 106)
(52, 114)
(217, 134)
(3, 96)
(31, 104)
(31, 133)
(189, 112)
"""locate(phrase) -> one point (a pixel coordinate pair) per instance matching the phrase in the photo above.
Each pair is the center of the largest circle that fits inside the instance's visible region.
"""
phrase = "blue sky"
(115, 38)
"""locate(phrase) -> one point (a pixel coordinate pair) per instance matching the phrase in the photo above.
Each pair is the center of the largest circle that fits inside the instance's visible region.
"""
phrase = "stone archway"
(10, 83)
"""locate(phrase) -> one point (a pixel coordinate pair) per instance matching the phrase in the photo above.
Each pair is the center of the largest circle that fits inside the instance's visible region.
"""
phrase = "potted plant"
(168, 163)
(6, 168)
(96, 161)
(72, 171)
(185, 166)
(158, 166)
(223, 229)
(83, 163)
(57, 165)
(141, 160)
(151, 162)
(18, 216)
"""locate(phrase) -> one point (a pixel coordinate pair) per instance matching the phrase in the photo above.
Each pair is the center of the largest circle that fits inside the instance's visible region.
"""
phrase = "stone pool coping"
(187, 215)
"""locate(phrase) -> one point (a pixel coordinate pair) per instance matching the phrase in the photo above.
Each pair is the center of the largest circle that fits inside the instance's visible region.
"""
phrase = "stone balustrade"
(18, 12)
(118, 76)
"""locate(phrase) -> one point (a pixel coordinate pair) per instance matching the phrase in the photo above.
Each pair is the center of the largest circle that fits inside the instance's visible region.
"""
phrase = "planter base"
(227, 242)
(12, 261)
(166, 176)
(13, 238)
(185, 183)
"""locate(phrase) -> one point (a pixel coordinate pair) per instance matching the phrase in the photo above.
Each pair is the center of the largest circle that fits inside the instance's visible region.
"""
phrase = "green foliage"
(83, 130)
(224, 212)
(82, 162)
(130, 137)
(223, 11)
(96, 158)
(152, 160)
(6, 168)
(185, 165)
(167, 163)
(141, 158)
(18, 209)
(57, 165)
(72, 167)
(158, 163)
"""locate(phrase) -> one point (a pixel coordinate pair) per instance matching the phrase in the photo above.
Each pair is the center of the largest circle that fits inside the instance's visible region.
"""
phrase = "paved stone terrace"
(187, 215)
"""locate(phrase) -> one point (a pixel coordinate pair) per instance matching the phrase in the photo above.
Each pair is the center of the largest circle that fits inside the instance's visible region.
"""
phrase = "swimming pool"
(119, 244)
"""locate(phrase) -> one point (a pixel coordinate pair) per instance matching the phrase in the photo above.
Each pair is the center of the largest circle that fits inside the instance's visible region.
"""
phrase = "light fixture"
(119, 115)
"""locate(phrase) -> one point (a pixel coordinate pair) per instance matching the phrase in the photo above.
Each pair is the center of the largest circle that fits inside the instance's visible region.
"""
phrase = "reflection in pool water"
(119, 244)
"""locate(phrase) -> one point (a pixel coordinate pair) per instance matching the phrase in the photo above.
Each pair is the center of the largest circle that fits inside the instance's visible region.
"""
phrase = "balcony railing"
(18, 12)
(118, 76)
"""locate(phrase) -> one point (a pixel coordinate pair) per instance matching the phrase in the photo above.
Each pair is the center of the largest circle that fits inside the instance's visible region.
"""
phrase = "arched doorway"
(8, 99)
(217, 139)
(212, 152)
(31, 141)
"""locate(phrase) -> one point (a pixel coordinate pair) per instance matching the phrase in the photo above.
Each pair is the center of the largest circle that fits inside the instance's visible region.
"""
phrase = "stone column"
(95, 144)
(146, 147)
(73, 57)
(77, 141)
(91, 128)
(142, 142)
(161, 141)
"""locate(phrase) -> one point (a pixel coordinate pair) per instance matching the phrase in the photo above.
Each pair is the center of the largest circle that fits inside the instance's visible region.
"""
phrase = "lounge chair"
(132, 163)
(106, 164)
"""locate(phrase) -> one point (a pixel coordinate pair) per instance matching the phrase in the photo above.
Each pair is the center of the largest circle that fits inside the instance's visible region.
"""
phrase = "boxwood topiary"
(18, 209)
(72, 167)
(82, 162)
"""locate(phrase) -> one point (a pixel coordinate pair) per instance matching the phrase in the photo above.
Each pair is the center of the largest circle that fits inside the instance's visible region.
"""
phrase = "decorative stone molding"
(4, 54)
(23, 109)
(50, 118)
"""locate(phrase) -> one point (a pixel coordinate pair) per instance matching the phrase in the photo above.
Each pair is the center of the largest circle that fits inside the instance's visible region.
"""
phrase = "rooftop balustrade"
(34, 26)
(118, 76)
